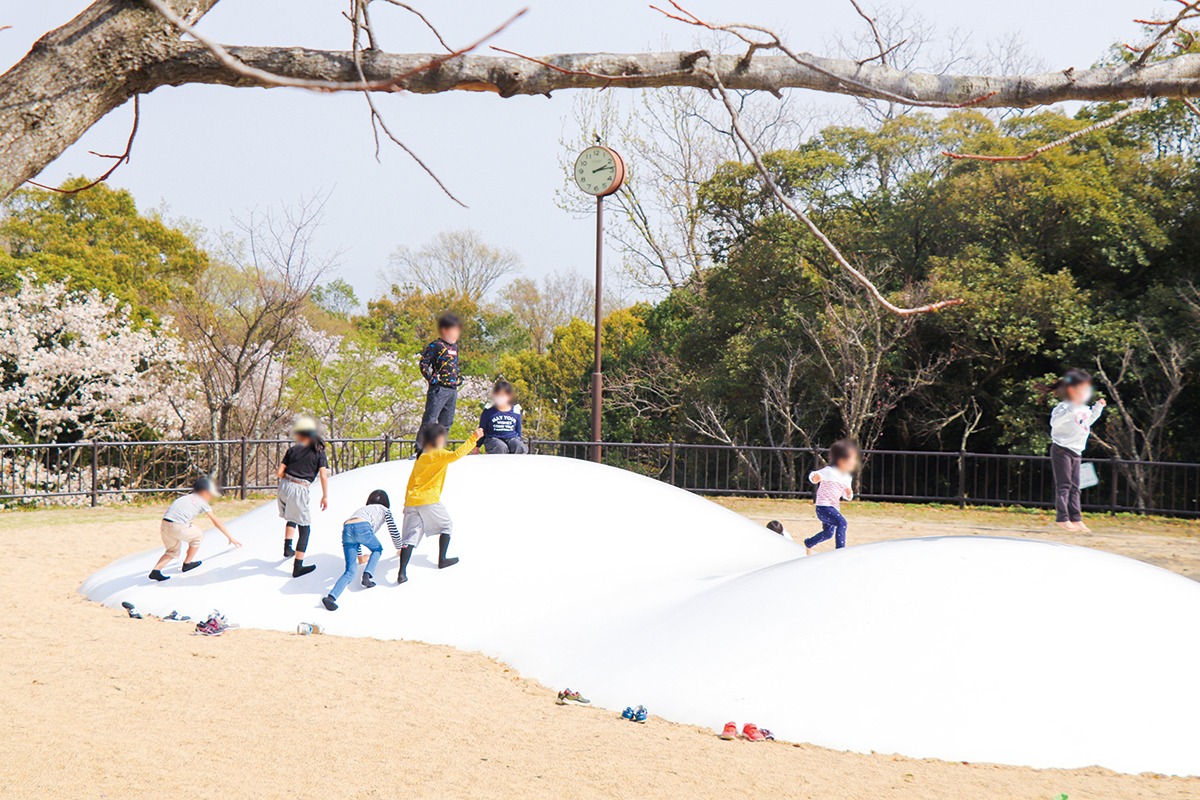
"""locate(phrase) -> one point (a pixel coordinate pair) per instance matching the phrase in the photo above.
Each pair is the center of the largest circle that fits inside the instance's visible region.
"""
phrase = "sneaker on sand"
(568, 698)
(770, 737)
(226, 624)
(751, 733)
(309, 629)
(640, 714)
(133, 612)
(210, 627)
(628, 713)
(730, 732)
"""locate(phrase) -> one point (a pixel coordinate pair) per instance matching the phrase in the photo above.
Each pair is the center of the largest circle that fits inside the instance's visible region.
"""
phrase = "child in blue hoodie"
(501, 423)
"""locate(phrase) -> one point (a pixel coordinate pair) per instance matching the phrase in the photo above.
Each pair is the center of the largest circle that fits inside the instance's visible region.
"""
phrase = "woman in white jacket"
(1070, 425)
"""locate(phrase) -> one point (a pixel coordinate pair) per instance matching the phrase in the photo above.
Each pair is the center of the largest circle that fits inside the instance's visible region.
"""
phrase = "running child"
(424, 514)
(834, 484)
(177, 528)
(501, 423)
(439, 365)
(1070, 425)
(359, 531)
(303, 463)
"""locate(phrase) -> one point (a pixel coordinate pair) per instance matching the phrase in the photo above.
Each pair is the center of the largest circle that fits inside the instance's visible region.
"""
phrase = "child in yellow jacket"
(423, 510)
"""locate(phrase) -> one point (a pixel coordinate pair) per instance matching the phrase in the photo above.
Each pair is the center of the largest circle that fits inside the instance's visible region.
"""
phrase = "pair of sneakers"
(215, 625)
(639, 714)
(750, 732)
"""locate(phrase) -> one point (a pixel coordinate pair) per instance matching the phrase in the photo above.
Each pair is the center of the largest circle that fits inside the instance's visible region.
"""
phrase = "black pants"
(514, 446)
(439, 405)
(1066, 465)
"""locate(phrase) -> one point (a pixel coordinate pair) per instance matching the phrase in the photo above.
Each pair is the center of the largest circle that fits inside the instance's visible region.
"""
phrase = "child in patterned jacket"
(439, 367)
(834, 483)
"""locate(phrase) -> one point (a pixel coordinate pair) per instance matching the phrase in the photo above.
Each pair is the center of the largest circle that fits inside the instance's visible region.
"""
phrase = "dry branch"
(265, 77)
(1037, 151)
(826, 242)
(118, 160)
(774, 42)
(1167, 28)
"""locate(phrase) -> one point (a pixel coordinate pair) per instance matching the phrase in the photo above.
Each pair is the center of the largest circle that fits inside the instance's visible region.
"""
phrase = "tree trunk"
(74, 76)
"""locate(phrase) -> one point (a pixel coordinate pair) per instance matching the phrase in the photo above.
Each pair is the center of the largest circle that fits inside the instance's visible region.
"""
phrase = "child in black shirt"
(302, 463)
(439, 366)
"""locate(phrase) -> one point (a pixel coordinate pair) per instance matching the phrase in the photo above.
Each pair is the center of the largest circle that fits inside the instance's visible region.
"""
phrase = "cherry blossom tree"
(74, 365)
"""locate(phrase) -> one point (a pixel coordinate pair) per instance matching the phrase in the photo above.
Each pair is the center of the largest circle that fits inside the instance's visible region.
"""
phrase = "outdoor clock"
(599, 171)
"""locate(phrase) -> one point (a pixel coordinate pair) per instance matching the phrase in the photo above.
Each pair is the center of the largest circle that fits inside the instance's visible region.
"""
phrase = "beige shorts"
(174, 534)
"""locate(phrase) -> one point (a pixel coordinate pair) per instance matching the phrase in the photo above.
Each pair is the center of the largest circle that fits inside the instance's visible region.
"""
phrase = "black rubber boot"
(405, 557)
(288, 550)
(156, 575)
(443, 546)
(367, 581)
(299, 570)
(329, 603)
(191, 565)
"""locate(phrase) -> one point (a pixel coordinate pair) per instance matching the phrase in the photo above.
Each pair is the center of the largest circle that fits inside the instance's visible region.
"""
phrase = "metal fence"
(87, 472)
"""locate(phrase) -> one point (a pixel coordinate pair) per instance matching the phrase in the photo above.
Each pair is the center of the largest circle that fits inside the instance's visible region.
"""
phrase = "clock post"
(597, 374)
(599, 171)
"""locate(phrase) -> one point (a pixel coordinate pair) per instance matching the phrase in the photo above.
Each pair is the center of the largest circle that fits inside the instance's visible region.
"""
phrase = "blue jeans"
(832, 524)
(353, 535)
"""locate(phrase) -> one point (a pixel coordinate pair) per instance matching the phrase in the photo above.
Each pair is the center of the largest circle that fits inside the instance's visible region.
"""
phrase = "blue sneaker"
(640, 714)
(628, 714)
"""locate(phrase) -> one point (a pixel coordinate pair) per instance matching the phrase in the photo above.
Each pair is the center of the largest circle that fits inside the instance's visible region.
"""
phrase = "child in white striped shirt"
(358, 532)
(834, 483)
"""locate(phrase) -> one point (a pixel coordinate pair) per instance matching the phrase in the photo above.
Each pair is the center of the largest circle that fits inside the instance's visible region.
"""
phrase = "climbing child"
(1070, 425)
(177, 528)
(439, 365)
(424, 513)
(834, 484)
(501, 423)
(359, 531)
(303, 463)
(775, 526)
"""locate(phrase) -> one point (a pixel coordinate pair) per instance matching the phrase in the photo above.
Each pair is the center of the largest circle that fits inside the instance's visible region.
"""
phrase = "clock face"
(599, 171)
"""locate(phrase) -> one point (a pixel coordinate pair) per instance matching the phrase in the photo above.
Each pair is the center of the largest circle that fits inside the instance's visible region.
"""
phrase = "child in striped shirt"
(834, 483)
(360, 530)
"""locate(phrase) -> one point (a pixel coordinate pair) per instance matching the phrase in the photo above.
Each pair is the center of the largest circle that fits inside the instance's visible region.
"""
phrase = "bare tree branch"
(884, 50)
(130, 48)
(118, 160)
(265, 77)
(774, 42)
(1167, 28)
(1037, 151)
(361, 20)
(784, 200)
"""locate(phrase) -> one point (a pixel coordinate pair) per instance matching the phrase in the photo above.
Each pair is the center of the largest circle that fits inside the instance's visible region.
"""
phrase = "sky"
(210, 154)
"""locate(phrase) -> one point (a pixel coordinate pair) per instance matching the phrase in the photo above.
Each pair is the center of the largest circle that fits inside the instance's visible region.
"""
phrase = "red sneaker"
(730, 732)
(751, 733)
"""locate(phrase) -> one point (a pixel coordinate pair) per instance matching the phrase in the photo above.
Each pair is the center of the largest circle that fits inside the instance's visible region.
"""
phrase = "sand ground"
(95, 705)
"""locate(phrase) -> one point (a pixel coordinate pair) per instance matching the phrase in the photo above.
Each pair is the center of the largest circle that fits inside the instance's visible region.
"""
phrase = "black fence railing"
(89, 471)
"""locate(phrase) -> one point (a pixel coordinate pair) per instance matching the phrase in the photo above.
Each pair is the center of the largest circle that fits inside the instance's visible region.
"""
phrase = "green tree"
(97, 240)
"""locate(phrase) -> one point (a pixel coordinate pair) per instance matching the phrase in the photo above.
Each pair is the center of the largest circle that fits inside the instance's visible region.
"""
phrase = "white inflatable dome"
(634, 592)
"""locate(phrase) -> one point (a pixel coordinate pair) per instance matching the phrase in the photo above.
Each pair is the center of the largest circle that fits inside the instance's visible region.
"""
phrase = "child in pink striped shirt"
(834, 483)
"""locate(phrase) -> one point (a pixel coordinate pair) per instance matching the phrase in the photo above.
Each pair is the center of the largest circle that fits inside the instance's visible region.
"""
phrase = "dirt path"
(95, 705)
